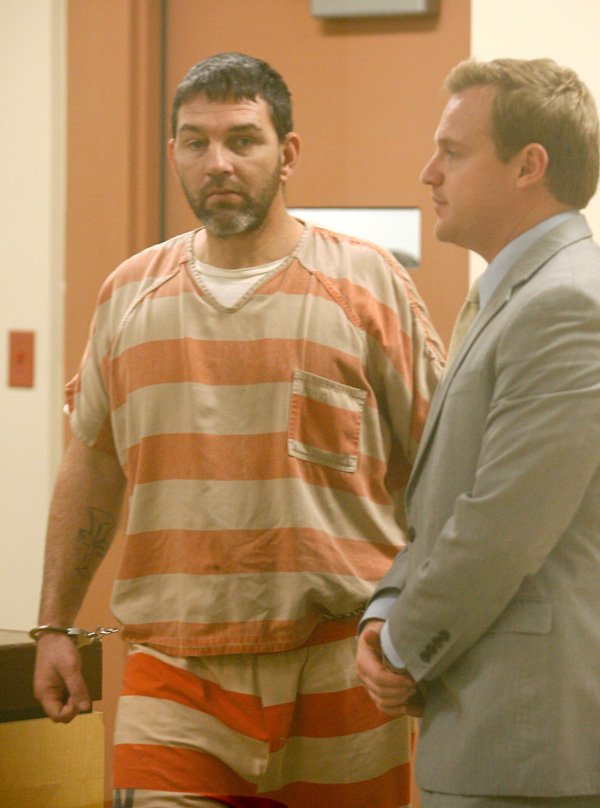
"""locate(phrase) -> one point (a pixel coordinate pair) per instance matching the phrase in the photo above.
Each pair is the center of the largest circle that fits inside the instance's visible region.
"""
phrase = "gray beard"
(232, 221)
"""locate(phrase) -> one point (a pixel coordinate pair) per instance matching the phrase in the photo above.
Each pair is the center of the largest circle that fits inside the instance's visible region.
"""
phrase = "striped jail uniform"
(266, 447)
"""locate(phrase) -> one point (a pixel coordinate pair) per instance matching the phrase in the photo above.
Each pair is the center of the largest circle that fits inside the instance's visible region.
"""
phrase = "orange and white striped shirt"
(265, 445)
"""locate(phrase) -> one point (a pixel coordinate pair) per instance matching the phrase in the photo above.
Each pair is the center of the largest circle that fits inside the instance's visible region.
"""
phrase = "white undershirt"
(228, 286)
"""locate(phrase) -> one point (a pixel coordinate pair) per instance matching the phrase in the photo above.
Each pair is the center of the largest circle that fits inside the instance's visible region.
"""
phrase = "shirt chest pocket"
(325, 421)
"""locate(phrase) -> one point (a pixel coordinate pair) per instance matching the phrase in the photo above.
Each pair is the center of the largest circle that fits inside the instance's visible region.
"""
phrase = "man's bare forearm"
(83, 518)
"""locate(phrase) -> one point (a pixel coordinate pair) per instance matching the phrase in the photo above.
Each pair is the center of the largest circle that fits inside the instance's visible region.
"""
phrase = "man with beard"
(258, 387)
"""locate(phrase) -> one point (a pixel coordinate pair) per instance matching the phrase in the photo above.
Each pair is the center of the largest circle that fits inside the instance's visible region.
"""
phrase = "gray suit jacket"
(498, 611)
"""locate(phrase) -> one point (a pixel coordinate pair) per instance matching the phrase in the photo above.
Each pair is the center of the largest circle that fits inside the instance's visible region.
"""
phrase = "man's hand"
(391, 691)
(57, 682)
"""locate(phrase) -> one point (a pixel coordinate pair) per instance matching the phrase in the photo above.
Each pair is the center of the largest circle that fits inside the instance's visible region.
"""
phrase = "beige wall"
(529, 29)
(32, 172)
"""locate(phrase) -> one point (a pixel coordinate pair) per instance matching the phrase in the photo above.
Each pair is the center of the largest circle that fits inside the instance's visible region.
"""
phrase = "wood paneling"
(113, 208)
(46, 765)
(113, 136)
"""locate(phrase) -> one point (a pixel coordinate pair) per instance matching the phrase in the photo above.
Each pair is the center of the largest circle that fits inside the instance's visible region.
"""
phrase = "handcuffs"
(80, 636)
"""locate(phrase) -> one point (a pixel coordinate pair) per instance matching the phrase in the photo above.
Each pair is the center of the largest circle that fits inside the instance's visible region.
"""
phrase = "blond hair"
(538, 101)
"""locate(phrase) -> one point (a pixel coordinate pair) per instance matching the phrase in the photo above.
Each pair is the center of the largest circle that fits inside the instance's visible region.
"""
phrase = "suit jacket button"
(411, 534)
(425, 657)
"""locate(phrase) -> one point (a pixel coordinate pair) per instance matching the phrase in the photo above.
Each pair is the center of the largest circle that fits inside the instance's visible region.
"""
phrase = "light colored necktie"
(469, 310)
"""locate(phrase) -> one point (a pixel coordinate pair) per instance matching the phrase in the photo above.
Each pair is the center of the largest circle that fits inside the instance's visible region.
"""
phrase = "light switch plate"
(21, 358)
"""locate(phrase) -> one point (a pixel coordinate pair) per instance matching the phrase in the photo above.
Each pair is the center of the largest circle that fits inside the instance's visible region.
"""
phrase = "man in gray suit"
(491, 616)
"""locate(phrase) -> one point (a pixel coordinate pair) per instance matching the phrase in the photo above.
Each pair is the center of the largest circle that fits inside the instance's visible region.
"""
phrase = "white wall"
(32, 169)
(528, 29)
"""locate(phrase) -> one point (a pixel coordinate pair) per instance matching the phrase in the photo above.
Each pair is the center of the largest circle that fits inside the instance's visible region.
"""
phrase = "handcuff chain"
(79, 636)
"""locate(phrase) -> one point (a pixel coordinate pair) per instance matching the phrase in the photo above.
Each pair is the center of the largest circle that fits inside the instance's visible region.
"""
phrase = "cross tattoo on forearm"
(95, 539)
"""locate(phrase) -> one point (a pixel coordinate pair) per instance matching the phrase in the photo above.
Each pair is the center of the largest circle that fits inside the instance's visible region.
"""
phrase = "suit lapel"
(524, 268)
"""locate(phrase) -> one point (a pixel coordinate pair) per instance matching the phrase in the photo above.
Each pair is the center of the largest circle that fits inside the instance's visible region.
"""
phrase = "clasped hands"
(393, 692)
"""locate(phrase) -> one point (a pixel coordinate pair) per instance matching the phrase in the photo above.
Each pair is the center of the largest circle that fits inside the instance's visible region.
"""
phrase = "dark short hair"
(236, 75)
(538, 101)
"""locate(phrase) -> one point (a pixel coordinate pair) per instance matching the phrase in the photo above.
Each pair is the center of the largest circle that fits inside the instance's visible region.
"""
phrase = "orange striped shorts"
(291, 729)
